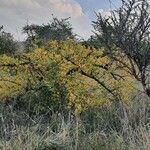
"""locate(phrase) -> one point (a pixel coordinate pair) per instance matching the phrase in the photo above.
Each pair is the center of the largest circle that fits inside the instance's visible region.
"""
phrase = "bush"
(50, 96)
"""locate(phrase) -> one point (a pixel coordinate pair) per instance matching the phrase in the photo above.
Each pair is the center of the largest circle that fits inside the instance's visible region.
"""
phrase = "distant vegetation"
(7, 44)
(59, 92)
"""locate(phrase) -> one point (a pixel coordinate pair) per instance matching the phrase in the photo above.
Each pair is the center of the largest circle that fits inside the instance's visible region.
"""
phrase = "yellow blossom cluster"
(91, 77)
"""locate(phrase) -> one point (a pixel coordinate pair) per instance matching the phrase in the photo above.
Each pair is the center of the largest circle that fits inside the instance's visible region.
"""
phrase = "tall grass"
(117, 127)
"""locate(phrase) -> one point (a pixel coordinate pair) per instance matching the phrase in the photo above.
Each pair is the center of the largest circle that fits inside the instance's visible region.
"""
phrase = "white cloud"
(104, 13)
(15, 13)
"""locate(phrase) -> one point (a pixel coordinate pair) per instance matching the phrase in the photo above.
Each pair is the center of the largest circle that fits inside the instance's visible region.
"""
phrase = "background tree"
(57, 29)
(128, 29)
(7, 43)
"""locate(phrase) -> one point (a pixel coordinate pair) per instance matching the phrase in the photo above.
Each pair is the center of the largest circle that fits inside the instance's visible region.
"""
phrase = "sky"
(14, 14)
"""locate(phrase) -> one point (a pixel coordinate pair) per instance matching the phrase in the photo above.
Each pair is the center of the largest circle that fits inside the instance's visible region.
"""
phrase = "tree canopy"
(7, 43)
(89, 77)
(57, 29)
(128, 28)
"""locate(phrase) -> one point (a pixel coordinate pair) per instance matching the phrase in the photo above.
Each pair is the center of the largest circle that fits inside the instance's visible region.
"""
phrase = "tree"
(128, 30)
(66, 71)
(55, 30)
(33, 82)
(91, 78)
(7, 44)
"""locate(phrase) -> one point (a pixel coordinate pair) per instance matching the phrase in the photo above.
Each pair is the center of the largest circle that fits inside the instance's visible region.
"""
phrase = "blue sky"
(14, 14)
(91, 6)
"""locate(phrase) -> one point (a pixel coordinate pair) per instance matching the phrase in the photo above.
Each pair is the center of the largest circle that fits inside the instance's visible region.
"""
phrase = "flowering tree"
(89, 77)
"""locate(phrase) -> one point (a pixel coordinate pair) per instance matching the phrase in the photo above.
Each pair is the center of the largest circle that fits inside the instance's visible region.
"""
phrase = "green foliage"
(57, 29)
(49, 95)
(7, 43)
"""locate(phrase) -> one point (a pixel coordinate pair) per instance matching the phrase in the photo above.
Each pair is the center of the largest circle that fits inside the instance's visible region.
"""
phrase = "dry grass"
(119, 127)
